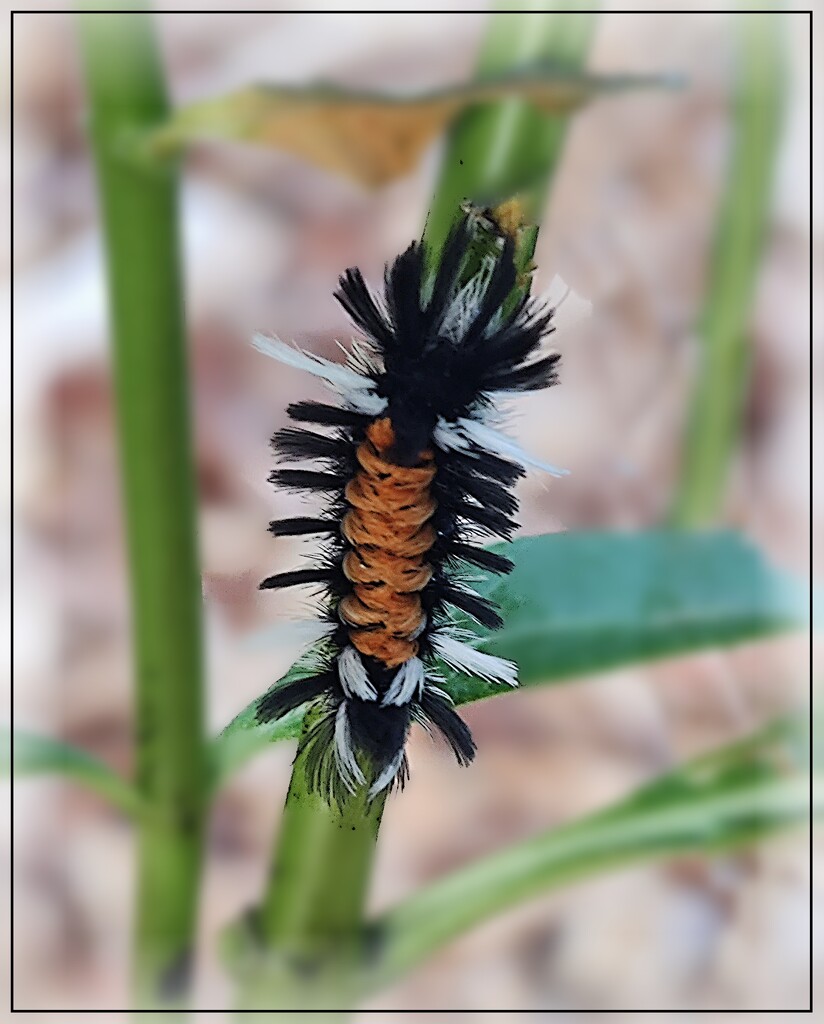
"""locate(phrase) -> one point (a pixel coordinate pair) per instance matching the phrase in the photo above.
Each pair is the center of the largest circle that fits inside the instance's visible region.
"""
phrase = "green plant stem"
(717, 403)
(140, 222)
(313, 905)
(313, 908)
(498, 150)
(322, 851)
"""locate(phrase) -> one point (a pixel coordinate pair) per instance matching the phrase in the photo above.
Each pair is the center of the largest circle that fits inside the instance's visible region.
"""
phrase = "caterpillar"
(415, 473)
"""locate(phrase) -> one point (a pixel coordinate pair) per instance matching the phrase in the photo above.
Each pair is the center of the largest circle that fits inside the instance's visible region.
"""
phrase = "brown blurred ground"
(629, 227)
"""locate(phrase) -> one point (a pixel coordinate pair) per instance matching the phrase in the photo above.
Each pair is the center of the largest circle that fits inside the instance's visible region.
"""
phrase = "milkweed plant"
(412, 467)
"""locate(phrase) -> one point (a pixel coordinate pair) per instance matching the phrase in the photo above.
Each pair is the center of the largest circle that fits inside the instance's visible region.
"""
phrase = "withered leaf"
(372, 138)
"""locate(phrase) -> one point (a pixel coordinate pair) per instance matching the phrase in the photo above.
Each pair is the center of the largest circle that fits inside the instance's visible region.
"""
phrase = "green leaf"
(370, 137)
(42, 755)
(578, 603)
(244, 736)
(731, 797)
(584, 602)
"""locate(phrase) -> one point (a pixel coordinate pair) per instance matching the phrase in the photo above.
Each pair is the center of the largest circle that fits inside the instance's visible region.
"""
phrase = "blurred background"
(629, 226)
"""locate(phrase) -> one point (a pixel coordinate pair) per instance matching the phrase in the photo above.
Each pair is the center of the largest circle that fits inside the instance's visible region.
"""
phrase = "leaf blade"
(731, 797)
(622, 597)
(582, 603)
(24, 753)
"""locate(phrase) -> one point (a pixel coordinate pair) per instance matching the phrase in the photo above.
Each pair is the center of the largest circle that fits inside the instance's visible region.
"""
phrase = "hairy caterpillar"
(415, 470)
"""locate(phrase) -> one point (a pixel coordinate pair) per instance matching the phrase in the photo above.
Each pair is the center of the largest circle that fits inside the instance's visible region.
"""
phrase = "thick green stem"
(140, 222)
(313, 909)
(308, 905)
(717, 405)
(314, 906)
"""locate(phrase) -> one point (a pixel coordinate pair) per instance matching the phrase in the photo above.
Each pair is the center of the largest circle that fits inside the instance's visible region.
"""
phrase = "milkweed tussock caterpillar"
(416, 472)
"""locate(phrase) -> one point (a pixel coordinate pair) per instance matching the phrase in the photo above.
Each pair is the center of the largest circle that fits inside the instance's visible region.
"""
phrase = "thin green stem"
(140, 222)
(717, 404)
(314, 905)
